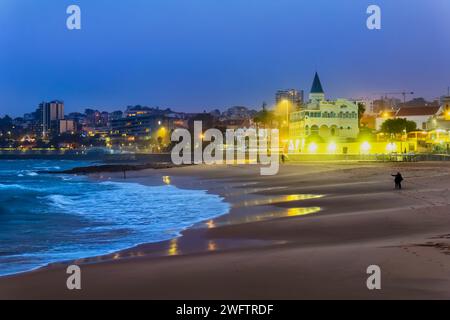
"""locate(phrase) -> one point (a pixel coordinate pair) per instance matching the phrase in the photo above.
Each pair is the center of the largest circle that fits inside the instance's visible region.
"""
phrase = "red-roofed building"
(420, 115)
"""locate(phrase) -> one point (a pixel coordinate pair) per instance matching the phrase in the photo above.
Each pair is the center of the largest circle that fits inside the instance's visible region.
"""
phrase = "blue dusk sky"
(192, 55)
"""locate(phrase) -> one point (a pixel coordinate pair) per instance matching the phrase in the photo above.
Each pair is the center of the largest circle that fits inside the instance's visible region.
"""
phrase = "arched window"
(324, 131)
(333, 131)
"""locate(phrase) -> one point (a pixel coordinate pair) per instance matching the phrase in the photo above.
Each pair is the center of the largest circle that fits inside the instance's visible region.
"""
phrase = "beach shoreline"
(357, 220)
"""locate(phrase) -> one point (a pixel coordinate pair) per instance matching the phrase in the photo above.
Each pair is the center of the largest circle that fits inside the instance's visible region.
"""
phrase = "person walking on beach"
(398, 180)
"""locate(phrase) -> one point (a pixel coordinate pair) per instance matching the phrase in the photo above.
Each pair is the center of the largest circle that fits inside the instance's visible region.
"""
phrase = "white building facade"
(324, 120)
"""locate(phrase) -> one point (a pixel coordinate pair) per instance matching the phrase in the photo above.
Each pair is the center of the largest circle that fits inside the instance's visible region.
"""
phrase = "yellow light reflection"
(280, 199)
(173, 248)
(212, 246)
(166, 180)
(210, 224)
(293, 212)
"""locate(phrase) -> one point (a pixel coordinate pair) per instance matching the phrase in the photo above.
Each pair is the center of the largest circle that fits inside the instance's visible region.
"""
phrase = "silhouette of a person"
(398, 180)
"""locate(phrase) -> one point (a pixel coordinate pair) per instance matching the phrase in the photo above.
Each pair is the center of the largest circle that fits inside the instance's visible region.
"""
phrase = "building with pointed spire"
(317, 94)
(323, 120)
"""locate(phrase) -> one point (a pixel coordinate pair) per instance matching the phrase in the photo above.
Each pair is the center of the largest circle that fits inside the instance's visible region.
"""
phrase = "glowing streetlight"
(286, 102)
(391, 147)
(365, 147)
(312, 148)
(332, 147)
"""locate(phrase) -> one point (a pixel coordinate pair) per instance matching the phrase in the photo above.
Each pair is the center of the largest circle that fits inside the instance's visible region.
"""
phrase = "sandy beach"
(309, 232)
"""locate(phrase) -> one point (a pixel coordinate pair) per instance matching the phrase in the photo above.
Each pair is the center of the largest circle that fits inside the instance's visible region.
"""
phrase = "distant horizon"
(197, 55)
(221, 109)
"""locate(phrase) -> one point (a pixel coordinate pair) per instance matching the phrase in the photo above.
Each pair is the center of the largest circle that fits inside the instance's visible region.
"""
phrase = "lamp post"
(287, 110)
(286, 101)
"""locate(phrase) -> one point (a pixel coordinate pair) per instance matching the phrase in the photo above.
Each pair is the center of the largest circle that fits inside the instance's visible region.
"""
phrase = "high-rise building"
(50, 114)
(295, 97)
(65, 126)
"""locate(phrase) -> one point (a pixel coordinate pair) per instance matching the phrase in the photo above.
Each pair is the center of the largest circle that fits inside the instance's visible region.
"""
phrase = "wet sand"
(309, 232)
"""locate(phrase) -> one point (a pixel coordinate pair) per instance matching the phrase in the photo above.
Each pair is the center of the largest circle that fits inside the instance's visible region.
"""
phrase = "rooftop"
(417, 111)
(317, 86)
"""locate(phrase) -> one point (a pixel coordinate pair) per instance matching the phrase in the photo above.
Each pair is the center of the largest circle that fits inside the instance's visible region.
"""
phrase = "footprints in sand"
(440, 245)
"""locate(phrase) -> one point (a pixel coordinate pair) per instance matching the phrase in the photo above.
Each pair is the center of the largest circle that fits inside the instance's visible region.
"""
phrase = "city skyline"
(129, 55)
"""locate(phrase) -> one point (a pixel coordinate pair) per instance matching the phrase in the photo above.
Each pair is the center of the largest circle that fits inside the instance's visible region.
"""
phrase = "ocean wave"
(21, 187)
(81, 218)
(12, 186)
(48, 168)
(135, 205)
(60, 201)
(28, 173)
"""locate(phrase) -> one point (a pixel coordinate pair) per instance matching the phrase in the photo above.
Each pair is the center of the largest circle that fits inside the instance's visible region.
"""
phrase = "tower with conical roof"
(317, 94)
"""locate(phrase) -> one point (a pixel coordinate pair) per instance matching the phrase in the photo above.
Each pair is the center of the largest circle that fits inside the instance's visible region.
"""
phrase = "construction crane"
(403, 93)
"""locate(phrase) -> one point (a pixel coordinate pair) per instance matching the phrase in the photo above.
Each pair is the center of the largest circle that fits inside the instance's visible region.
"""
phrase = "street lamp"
(286, 102)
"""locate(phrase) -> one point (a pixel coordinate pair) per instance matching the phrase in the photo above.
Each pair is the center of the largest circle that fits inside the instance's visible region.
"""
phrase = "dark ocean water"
(50, 218)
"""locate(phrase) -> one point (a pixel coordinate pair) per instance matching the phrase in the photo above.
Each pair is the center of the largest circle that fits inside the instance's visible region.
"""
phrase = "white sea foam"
(161, 212)
(60, 201)
(74, 217)
(48, 168)
(12, 186)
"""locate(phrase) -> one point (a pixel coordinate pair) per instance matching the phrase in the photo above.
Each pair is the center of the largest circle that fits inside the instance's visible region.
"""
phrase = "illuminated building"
(294, 97)
(66, 126)
(137, 126)
(441, 119)
(323, 120)
(50, 114)
(419, 115)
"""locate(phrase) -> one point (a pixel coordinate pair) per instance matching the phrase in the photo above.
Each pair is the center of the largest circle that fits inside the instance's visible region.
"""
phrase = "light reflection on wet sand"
(173, 248)
(282, 213)
(212, 246)
(253, 190)
(278, 200)
(210, 224)
(166, 180)
(263, 216)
